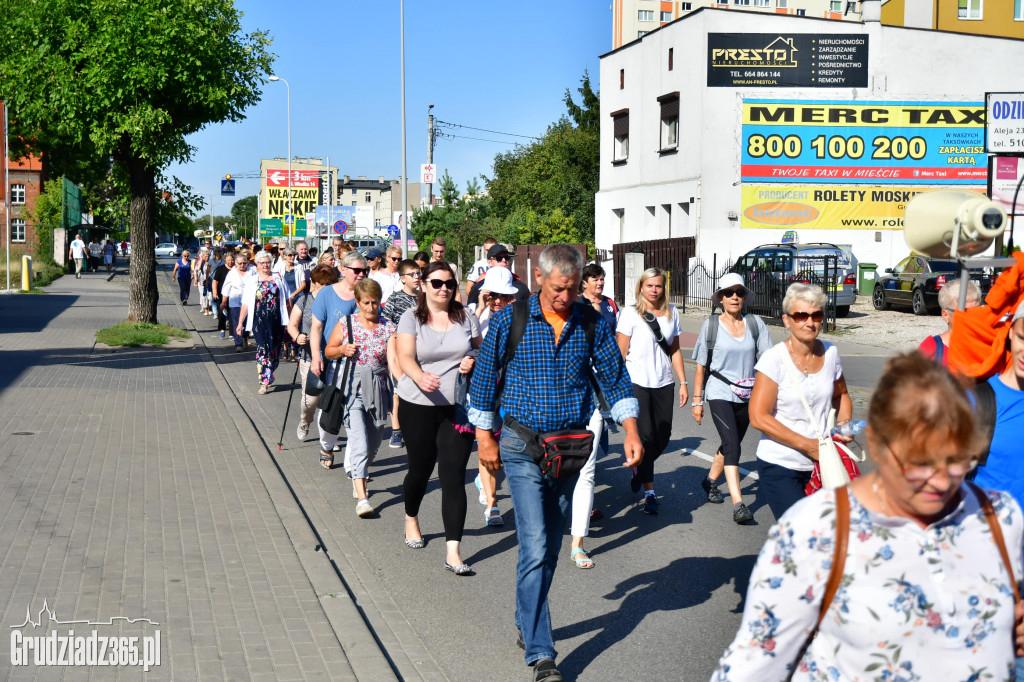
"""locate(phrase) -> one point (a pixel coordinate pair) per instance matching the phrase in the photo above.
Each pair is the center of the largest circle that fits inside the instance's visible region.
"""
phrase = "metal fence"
(671, 255)
(701, 282)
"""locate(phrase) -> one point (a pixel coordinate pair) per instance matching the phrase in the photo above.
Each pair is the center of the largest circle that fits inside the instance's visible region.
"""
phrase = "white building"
(678, 160)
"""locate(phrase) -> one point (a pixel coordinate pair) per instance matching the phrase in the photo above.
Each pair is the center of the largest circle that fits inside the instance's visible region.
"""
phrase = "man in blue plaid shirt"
(546, 388)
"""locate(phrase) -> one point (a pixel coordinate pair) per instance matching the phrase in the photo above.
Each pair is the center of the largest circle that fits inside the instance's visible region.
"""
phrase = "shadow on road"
(682, 584)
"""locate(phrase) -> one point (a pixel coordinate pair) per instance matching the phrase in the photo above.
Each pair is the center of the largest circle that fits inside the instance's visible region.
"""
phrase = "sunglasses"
(448, 284)
(802, 316)
(729, 293)
(395, 258)
(503, 258)
(359, 271)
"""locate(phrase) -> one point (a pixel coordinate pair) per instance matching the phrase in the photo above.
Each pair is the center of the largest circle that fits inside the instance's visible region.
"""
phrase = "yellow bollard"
(26, 272)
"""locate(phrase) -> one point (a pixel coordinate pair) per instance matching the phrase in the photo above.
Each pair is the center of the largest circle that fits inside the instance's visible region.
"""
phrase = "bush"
(44, 270)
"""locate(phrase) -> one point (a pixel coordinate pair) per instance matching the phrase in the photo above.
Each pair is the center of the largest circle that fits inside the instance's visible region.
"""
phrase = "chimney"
(381, 179)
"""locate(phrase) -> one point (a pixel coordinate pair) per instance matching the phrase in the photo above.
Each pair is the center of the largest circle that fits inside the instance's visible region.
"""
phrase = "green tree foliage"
(463, 226)
(45, 216)
(448, 190)
(244, 210)
(472, 188)
(546, 189)
(128, 82)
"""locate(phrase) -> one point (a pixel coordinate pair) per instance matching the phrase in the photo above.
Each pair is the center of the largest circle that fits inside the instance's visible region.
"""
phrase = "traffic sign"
(340, 227)
(289, 219)
(394, 231)
(428, 173)
(227, 187)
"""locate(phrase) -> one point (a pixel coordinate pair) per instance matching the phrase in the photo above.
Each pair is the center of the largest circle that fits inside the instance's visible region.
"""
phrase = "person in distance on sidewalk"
(651, 357)
(183, 273)
(299, 325)
(367, 391)
(265, 314)
(736, 349)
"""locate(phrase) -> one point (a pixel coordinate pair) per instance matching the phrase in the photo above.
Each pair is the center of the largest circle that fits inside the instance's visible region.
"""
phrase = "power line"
(485, 130)
(482, 139)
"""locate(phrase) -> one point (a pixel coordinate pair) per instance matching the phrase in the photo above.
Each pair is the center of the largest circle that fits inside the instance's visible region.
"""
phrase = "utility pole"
(430, 153)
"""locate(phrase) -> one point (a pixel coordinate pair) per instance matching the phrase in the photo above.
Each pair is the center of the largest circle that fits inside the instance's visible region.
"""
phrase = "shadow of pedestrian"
(644, 593)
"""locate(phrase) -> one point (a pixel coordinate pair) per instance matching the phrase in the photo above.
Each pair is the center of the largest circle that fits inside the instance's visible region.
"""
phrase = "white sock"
(649, 492)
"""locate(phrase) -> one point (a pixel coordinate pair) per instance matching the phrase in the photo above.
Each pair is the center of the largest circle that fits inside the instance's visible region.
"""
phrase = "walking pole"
(289, 408)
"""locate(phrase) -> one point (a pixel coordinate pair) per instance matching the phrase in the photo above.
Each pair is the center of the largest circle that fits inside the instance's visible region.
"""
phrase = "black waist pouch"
(559, 454)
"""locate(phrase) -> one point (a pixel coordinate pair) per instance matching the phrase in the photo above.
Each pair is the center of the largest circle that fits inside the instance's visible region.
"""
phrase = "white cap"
(498, 280)
(728, 281)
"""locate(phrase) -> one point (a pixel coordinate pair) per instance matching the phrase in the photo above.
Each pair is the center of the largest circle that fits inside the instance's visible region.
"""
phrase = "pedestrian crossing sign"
(227, 187)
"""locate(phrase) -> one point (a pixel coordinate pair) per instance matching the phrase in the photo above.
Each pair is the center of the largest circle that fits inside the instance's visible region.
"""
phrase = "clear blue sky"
(497, 65)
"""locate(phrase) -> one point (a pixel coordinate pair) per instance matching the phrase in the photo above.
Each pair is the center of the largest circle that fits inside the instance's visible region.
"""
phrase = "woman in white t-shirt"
(651, 359)
(801, 363)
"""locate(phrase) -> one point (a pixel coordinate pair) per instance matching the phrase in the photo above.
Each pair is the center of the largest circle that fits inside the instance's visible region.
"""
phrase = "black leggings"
(654, 425)
(731, 419)
(431, 438)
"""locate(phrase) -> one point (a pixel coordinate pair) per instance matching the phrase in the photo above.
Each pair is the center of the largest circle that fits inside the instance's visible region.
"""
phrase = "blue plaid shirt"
(546, 385)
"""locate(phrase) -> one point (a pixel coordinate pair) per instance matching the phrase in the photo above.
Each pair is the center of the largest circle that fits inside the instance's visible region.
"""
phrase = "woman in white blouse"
(800, 364)
(925, 590)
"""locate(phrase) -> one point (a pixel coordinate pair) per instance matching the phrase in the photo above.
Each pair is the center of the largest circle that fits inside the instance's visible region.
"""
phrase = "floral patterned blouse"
(915, 604)
(371, 346)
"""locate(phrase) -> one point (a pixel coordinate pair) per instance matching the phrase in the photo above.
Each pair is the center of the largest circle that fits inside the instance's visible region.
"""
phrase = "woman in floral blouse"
(925, 594)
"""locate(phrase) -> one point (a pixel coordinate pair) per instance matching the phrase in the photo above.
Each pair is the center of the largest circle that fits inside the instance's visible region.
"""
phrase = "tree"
(472, 188)
(128, 81)
(244, 211)
(448, 190)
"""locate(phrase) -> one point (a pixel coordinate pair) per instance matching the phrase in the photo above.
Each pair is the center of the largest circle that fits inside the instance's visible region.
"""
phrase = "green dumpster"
(866, 278)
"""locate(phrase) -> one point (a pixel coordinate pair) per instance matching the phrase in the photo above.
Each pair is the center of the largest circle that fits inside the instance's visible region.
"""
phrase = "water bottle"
(849, 429)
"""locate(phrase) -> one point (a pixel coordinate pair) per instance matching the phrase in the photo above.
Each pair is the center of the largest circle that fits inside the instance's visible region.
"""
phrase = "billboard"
(307, 192)
(792, 60)
(1005, 129)
(934, 143)
(827, 207)
(1007, 172)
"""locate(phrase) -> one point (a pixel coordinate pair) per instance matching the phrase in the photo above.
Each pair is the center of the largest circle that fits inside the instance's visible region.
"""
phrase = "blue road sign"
(227, 188)
(394, 231)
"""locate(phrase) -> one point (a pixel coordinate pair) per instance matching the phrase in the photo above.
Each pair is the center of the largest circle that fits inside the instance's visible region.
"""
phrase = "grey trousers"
(364, 439)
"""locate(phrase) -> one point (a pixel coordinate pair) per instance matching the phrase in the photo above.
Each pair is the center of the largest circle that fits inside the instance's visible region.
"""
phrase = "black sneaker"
(544, 670)
(713, 493)
(651, 504)
(634, 482)
(741, 515)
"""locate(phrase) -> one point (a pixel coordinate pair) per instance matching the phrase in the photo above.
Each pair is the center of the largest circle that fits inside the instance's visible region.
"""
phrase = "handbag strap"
(997, 536)
(803, 399)
(652, 322)
(835, 573)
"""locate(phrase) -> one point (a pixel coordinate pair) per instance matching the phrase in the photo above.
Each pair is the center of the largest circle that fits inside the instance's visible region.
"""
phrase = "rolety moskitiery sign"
(787, 60)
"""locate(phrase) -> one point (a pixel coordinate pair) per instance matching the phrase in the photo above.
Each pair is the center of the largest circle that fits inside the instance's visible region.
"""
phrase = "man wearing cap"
(498, 255)
(1004, 467)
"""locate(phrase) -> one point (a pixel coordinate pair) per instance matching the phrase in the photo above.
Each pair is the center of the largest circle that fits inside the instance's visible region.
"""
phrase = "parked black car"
(916, 282)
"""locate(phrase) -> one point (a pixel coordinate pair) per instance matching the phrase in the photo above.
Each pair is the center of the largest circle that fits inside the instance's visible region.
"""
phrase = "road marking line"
(745, 472)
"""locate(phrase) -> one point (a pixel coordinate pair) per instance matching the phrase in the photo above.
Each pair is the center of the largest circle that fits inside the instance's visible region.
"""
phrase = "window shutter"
(670, 108)
(622, 125)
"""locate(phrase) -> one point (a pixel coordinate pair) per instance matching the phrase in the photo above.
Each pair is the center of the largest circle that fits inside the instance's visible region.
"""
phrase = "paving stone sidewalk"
(129, 488)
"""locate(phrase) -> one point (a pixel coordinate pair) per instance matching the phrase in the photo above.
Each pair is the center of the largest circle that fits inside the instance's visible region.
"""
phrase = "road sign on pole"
(340, 227)
(227, 188)
(428, 173)
(394, 231)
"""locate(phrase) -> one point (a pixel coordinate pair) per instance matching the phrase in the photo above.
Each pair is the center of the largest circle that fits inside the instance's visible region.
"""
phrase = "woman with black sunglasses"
(437, 342)
(801, 367)
(722, 383)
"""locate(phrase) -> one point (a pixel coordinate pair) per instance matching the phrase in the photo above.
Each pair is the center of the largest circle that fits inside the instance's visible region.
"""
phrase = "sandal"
(582, 559)
(326, 460)
(494, 517)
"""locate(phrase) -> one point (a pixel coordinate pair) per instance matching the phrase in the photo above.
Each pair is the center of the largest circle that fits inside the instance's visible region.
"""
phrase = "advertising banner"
(307, 193)
(827, 207)
(940, 143)
(1007, 172)
(792, 60)
(326, 216)
(1004, 131)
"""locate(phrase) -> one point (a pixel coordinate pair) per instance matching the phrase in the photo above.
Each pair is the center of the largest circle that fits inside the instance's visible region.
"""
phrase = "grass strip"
(133, 334)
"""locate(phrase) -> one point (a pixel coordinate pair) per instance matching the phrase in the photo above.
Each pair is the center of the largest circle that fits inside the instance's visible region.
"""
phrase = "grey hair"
(352, 257)
(949, 294)
(289, 251)
(809, 293)
(262, 255)
(562, 257)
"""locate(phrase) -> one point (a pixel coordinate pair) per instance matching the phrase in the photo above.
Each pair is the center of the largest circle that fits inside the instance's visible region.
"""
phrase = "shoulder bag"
(837, 464)
(742, 388)
(333, 398)
(652, 323)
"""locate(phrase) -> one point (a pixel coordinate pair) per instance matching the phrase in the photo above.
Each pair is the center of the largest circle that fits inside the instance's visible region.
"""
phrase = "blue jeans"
(541, 505)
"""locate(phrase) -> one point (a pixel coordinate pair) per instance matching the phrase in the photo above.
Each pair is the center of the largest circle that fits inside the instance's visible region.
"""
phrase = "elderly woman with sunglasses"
(721, 383)
(265, 315)
(801, 367)
(334, 303)
(909, 572)
(437, 342)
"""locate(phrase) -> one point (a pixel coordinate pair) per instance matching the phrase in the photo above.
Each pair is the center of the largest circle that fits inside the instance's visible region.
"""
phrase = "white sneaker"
(363, 509)
(301, 430)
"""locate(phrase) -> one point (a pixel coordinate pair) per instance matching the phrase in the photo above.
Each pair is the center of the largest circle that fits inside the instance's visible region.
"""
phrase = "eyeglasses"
(415, 273)
(802, 316)
(741, 292)
(359, 271)
(921, 472)
(503, 297)
(503, 258)
(395, 258)
(449, 284)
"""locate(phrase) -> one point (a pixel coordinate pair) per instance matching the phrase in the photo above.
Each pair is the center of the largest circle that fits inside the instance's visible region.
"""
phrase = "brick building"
(24, 184)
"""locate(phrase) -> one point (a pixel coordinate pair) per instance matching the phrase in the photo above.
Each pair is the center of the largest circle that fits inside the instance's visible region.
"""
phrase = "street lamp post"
(405, 168)
(288, 89)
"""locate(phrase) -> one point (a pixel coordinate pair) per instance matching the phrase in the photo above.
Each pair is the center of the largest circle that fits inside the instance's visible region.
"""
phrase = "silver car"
(779, 265)
(167, 250)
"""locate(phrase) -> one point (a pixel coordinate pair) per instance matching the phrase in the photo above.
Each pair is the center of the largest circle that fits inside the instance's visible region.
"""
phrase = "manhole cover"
(24, 433)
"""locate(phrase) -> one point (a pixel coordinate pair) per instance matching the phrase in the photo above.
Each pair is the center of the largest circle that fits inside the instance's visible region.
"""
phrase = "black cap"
(497, 250)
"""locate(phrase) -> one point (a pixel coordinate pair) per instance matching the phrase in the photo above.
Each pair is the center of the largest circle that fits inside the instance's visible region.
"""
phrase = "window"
(641, 34)
(782, 4)
(762, 3)
(368, 197)
(669, 121)
(645, 15)
(354, 190)
(836, 5)
(801, 13)
(1018, 10)
(17, 194)
(969, 9)
(686, 6)
(622, 79)
(670, 54)
(17, 229)
(355, 203)
(619, 221)
(741, 2)
(620, 146)
(666, 16)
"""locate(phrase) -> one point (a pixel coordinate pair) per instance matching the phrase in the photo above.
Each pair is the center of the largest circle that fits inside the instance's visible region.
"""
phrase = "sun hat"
(729, 281)
(498, 280)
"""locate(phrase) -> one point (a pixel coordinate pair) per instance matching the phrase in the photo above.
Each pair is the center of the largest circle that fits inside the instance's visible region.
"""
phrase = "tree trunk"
(142, 290)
